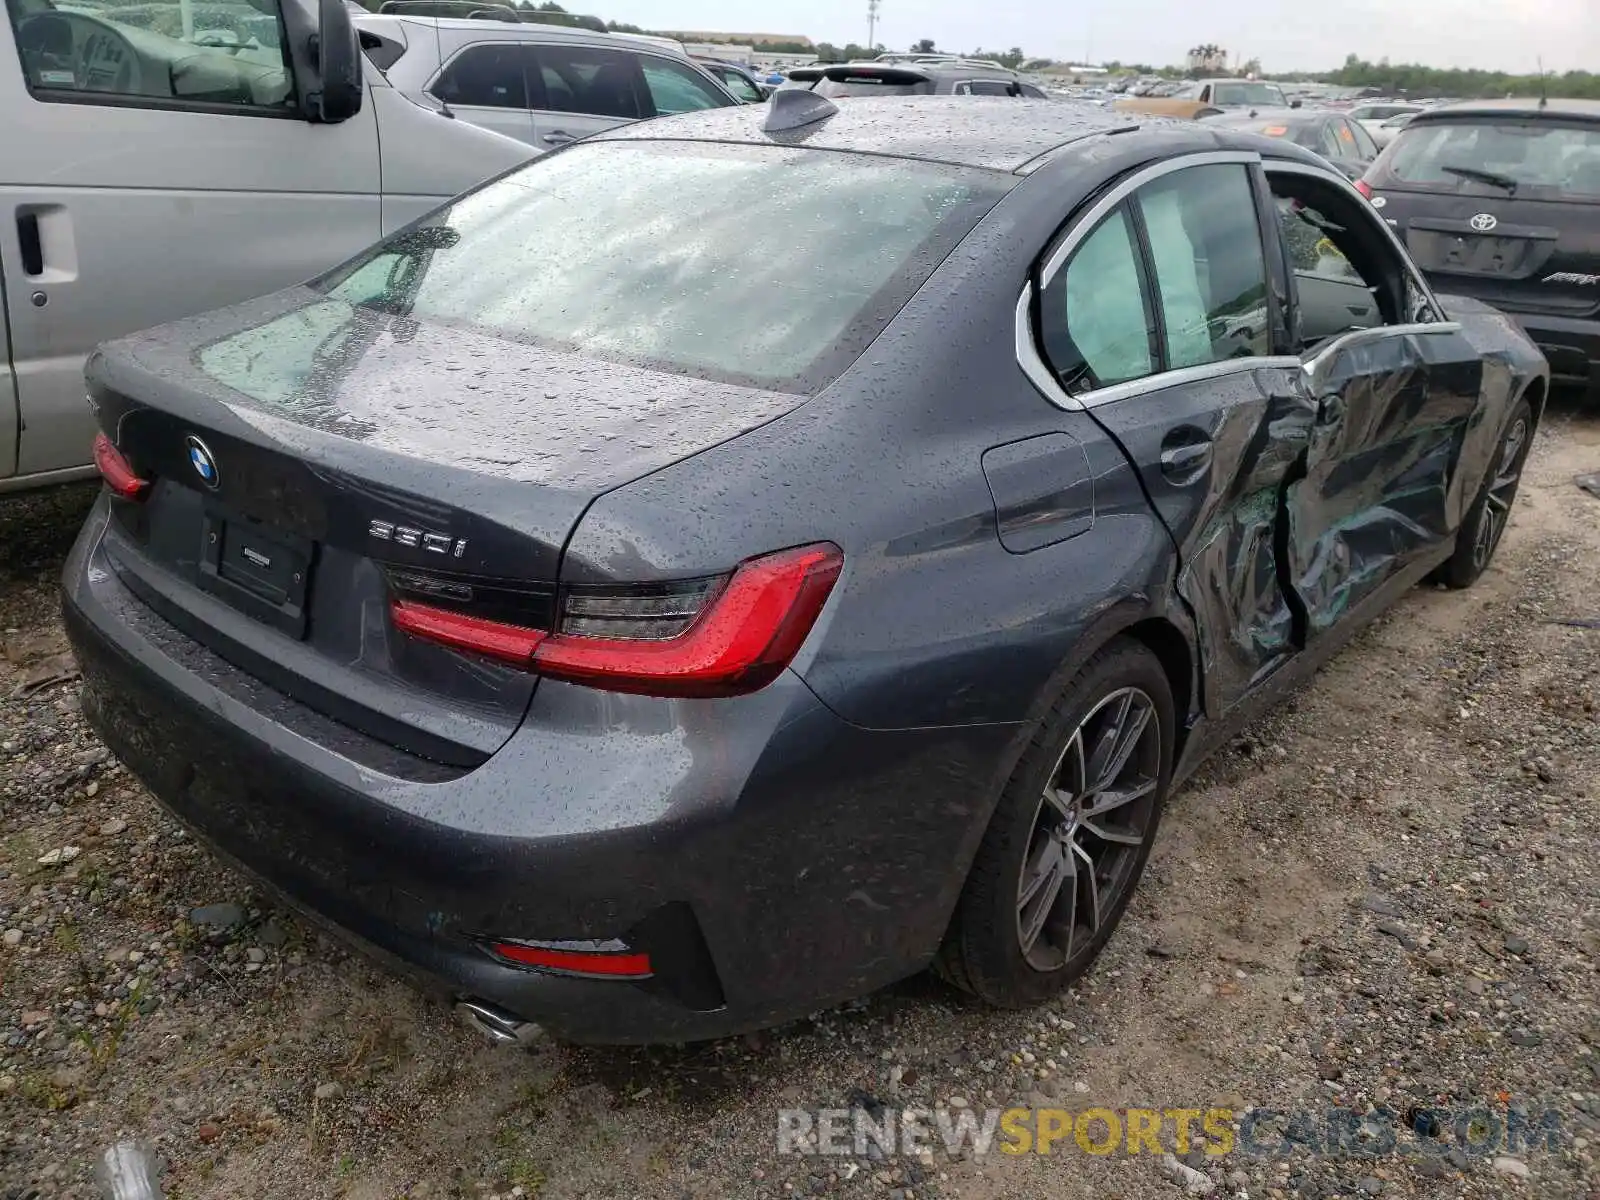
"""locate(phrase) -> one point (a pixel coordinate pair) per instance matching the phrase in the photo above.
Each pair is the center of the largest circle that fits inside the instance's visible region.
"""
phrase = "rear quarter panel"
(1512, 365)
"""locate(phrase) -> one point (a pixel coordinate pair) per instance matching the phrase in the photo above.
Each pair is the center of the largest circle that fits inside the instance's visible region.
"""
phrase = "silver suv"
(542, 84)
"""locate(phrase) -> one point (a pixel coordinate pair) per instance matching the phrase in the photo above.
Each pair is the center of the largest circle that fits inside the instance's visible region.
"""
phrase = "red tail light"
(610, 964)
(700, 638)
(119, 475)
(509, 643)
(1364, 188)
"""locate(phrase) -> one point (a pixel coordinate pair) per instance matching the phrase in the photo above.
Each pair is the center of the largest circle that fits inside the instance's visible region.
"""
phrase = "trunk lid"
(312, 460)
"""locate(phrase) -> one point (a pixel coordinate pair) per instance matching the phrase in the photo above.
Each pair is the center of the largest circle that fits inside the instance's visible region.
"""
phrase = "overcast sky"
(1285, 34)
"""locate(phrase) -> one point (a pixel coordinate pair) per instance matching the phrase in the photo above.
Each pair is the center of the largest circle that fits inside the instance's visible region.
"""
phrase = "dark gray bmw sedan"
(736, 562)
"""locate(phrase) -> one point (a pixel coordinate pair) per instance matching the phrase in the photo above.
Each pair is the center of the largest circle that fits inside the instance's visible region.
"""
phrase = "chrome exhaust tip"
(499, 1026)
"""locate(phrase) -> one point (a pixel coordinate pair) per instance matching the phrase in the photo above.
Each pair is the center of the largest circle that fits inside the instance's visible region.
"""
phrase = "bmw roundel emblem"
(1484, 222)
(203, 463)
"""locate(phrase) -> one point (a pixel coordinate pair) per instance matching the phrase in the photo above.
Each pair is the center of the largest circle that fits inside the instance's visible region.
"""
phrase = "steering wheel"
(100, 57)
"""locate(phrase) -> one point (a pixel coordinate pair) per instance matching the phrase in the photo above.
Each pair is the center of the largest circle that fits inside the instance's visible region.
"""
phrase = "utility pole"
(872, 23)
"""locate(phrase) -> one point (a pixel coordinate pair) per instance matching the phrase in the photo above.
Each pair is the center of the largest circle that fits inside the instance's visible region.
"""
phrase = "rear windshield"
(1259, 94)
(867, 85)
(1536, 158)
(760, 265)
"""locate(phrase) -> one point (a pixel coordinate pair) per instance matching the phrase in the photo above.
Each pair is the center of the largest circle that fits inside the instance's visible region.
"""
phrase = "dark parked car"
(954, 78)
(1338, 139)
(728, 565)
(738, 79)
(1500, 200)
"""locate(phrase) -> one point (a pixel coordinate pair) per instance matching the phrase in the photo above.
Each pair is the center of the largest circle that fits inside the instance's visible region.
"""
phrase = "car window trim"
(1283, 166)
(1322, 356)
(1031, 360)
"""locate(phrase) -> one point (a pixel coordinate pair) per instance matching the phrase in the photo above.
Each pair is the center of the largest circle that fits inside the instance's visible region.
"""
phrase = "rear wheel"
(1486, 520)
(1069, 839)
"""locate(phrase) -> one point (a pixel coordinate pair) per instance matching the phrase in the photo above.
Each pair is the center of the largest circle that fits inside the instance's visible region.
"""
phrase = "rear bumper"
(770, 857)
(1572, 344)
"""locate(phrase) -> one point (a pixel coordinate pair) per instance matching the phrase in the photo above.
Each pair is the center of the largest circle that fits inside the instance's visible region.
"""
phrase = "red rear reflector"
(1275, 130)
(1364, 188)
(740, 642)
(120, 477)
(622, 965)
(509, 643)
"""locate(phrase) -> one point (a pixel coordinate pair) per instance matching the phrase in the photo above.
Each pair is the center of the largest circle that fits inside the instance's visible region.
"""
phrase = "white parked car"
(1383, 119)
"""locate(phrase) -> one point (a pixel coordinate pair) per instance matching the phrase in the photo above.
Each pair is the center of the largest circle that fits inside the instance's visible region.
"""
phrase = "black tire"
(1485, 522)
(986, 949)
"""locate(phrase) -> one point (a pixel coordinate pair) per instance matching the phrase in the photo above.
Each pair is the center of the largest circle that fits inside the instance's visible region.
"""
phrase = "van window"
(227, 55)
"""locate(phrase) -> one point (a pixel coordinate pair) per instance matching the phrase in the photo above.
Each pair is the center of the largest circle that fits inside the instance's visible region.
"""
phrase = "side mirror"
(327, 61)
(1296, 103)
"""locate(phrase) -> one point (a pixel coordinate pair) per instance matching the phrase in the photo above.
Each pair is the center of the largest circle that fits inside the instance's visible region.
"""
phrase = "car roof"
(519, 31)
(1528, 106)
(996, 133)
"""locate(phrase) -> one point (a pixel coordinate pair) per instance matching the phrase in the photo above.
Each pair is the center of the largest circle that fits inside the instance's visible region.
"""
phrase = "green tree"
(925, 46)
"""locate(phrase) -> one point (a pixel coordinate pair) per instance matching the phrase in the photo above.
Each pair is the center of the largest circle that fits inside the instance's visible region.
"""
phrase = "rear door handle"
(558, 137)
(1185, 456)
(31, 245)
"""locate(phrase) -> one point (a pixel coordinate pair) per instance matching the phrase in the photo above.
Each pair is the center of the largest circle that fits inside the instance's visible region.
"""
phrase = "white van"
(159, 158)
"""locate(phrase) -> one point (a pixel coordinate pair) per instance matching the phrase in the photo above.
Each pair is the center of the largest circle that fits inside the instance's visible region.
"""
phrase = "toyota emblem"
(1484, 222)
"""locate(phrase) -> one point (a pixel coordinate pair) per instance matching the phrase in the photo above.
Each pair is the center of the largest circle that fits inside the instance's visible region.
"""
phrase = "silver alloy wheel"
(1091, 821)
(1502, 491)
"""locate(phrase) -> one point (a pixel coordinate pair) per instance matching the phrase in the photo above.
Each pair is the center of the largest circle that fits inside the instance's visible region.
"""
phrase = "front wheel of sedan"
(1486, 520)
(1069, 838)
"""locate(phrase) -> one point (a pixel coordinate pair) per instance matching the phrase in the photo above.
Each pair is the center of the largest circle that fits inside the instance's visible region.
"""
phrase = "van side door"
(154, 163)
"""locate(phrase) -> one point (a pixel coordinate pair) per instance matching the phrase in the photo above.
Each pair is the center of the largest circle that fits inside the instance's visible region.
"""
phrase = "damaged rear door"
(1159, 316)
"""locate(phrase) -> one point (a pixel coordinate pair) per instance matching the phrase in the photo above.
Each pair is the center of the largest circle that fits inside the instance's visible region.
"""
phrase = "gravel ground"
(1382, 897)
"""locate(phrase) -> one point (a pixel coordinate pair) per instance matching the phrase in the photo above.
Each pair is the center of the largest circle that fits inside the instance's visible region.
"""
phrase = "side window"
(382, 52)
(1365, 147)
(984, 87)
(677, 89)
(492, 75)
(1095, 314)
(1348, 274)
(1328, 141)
(1210, 268)
(736, 83)
(160, 53)
(1033, 93)
(589, 80)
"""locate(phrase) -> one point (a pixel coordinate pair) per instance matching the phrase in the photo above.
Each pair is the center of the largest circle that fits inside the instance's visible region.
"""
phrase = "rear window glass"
(759, 265)
(866, 85)
(1260, 94)
(1501, 158)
